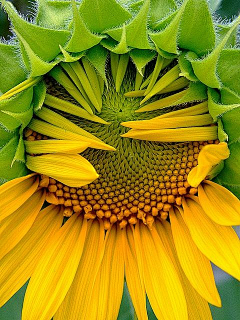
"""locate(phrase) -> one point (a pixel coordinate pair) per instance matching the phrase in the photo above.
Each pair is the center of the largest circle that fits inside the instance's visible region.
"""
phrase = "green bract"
(64, 31)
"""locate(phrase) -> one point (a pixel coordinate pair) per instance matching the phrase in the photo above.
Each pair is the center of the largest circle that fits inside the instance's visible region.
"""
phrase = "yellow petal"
(78, 299)
(17, 266)
(18, 224)
(55, 271)
(108, 287)
(198, 308)
(59, 133)
(219, 244)
(161, 280)
(15, 192)
(72, 170)
(174, 135)
(134, 278)
(171, 122)
(219, 204)
(195, 265)
(210, 156)
(55, 146)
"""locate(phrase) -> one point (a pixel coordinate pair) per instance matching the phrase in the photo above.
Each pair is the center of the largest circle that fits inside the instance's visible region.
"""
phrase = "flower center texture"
(140, 180)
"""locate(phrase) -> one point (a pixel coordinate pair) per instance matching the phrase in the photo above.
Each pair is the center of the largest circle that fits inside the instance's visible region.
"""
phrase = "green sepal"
(165, 54)
(20, 151)
(43, 41)
(57, 14)
(136, 30)
(141, 58)
(102, 15)
(10, 169)
(222, 136)
(196, 31)
(98, 56)
(160, 10)
(82, 38)
(70, 57)
(186, 67)
(36, 65)
(196, 92)
(16, 111)
(206, 68)
(229, 97)
(231, 124)
(229, 176)
(162, 24)
(228, 69)
(115, 46)
(217, 109)
(39, 94)
(5, 136)
(221, 33)
(167, 38)
(11, 67)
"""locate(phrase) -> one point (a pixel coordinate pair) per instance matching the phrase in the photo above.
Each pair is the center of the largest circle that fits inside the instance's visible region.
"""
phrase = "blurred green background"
(229, 288)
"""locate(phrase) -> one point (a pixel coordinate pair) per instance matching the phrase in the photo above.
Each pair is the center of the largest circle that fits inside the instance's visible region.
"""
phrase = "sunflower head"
(123, 112)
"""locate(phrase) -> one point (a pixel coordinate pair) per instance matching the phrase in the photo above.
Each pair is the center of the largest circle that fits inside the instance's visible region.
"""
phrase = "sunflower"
(116, 117)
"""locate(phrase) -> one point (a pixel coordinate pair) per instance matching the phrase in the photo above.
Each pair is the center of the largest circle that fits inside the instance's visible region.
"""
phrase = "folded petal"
(55, 271)
(78, 299)
(17, 266)
(210, 156)
(134, 277)
(219, 244)
(15, 192)
(70, 169)
(195, 265)
(15, 226)
(161, 280)
(219, 203)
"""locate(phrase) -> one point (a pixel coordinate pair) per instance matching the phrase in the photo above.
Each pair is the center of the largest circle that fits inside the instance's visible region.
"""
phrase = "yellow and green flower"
(119, 158)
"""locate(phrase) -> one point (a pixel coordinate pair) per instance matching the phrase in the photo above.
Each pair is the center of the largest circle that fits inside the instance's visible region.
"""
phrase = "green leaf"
(196, 92)
(5, 136)
(98, 56)
(228, 69)
(126, 309)
(82, 39)
(8, 169)
(141, 58)
(136, 30)
(196, 32)
(54, 13)
(206, 68)
(160, 10)
(100, 15)
(11, 67)
(42, 41)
